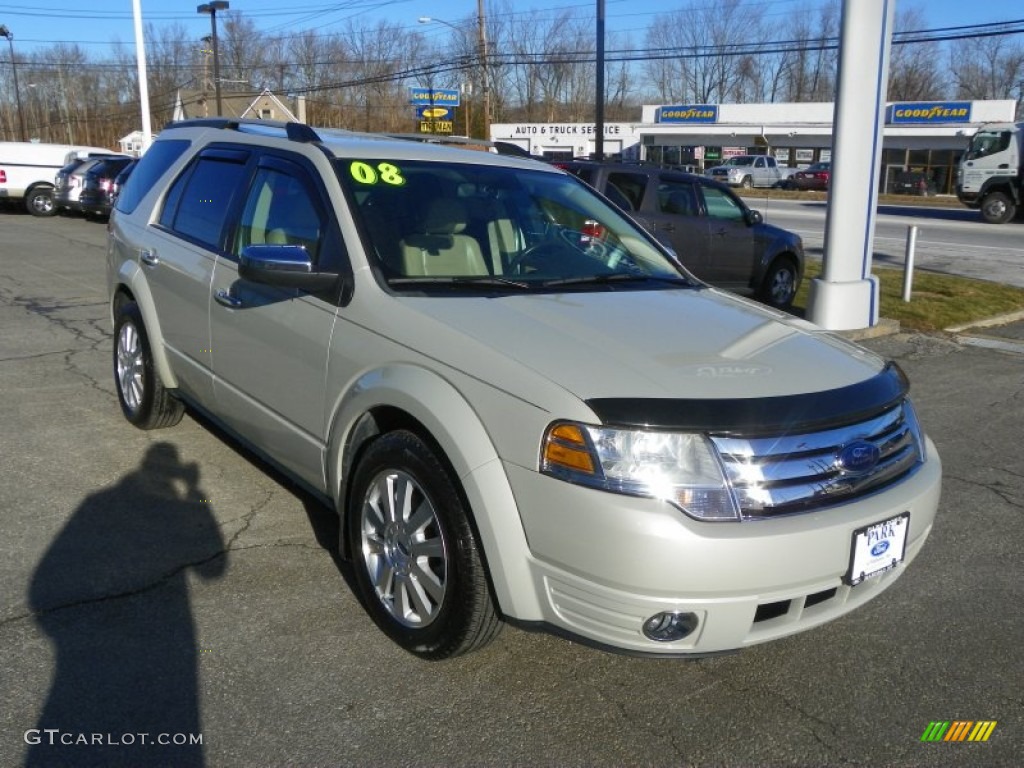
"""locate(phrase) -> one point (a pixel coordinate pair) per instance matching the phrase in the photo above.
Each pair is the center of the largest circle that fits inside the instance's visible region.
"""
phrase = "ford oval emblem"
(858, 457)
(879, 548)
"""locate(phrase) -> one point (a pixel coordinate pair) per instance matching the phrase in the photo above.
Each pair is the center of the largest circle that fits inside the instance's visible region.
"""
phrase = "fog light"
(666, 627)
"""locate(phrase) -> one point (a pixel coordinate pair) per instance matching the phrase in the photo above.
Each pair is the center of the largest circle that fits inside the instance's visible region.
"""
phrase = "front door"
(270, 344)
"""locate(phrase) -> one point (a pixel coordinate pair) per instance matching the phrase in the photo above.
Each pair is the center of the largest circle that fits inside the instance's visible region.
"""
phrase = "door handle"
(668, 227)
(148, 257)
(224, 298)
(721, 232)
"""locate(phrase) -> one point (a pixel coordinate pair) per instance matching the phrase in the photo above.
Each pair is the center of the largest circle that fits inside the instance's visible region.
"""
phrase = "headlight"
(681, 468)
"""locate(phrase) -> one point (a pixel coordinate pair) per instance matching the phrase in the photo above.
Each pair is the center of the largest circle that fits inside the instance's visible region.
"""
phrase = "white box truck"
(27, 170)
(991, 173)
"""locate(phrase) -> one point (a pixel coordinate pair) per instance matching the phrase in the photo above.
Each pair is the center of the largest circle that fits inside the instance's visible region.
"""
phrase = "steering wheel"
(546, 250)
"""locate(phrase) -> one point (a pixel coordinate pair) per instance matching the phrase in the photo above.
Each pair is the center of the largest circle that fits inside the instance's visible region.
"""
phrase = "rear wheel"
(418, 564)
(145, 401)
(998, 208)
(39, 202)
(780, 283)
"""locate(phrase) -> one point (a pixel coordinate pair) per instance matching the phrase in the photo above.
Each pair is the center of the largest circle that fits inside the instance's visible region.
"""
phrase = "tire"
(998, 208)
(419, 572)
(145, 401)
(39, 202)
(780, 283)
(747, 183)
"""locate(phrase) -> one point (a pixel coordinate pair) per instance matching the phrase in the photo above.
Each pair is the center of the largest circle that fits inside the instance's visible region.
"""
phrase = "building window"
(266, 114)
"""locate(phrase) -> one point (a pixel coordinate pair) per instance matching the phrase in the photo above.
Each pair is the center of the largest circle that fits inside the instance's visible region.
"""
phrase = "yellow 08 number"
(365, 173)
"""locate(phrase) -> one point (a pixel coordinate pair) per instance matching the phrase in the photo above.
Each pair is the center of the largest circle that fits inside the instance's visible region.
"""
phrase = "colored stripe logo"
(958, 730)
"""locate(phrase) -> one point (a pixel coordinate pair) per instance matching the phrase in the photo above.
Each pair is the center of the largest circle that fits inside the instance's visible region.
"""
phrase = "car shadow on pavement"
(111, 592)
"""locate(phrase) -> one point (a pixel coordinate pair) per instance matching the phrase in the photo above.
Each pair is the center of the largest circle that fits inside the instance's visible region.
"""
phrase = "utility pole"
(486, 84)
(5, 32)
(599, 97)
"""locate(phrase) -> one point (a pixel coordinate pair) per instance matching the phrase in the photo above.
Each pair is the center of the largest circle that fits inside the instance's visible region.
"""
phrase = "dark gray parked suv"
(713, 232)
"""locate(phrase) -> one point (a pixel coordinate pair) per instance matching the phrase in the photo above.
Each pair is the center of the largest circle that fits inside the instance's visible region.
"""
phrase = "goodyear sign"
(930, 112)
(687, 113)
(446, 127)
(429, 97)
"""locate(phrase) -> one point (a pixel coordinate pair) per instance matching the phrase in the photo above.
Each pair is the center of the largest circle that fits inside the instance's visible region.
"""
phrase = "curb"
(988, 322)
(885, 327)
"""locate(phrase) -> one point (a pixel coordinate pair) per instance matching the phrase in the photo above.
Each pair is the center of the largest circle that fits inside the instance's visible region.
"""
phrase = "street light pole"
(432, 20)
(212, 8)
(5, 32)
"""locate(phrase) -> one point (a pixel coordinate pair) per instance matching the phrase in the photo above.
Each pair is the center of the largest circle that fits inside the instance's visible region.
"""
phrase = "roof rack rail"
(290, 130)
(501, 147)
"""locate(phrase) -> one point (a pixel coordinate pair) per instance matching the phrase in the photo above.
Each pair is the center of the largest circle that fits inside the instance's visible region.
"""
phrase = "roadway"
(953, 240)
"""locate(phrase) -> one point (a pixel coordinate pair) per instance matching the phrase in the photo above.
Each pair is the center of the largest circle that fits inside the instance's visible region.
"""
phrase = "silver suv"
(519, 404)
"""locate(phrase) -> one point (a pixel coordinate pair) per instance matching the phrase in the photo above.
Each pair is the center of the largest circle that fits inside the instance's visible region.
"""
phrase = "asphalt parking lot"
(163, 586)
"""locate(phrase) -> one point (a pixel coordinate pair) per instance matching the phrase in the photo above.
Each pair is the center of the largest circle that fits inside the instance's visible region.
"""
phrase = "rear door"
(179, 256)
(672, 211)
(270, 344)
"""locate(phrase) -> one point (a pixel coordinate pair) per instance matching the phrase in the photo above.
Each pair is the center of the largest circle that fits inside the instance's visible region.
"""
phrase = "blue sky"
(95, 24)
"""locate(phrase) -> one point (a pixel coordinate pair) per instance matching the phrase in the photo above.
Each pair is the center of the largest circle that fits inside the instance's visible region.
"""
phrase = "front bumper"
(603, 563)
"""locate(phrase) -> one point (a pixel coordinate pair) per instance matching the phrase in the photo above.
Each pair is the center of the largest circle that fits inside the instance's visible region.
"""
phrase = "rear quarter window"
(147, 173)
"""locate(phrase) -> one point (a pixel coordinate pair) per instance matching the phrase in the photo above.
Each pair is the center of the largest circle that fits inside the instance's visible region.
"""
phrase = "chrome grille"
(793, 473)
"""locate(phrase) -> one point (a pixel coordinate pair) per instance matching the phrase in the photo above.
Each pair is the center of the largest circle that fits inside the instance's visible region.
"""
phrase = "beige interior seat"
(442, 248)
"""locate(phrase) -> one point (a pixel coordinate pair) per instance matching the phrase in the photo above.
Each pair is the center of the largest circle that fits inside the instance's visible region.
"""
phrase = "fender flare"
(131, 281)
(449, 419)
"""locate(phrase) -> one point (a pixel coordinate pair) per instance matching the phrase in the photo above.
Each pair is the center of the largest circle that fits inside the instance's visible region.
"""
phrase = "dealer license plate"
(878, 548)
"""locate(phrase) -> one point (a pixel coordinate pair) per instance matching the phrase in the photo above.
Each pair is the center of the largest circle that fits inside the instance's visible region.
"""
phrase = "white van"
(27, 170)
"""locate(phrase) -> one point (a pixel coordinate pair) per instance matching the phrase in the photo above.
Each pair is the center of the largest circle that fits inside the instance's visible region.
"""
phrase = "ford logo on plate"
(879, 548)
(858, 457)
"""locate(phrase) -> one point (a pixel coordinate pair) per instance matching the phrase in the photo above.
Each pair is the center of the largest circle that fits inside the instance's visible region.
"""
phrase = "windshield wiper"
(618, 277)
(463, 281)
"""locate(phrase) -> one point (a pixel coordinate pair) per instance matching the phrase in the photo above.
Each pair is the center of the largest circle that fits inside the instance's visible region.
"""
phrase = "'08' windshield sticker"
(387, 173)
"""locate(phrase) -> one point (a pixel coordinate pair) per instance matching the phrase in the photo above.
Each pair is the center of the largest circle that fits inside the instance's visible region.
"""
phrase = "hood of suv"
(611, 344)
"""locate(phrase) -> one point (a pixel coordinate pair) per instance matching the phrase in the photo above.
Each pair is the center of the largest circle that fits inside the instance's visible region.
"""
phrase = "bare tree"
(913, 75)
(987, 68)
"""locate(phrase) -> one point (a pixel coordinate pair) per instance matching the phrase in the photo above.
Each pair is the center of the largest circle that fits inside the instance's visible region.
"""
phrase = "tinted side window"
(721, 205)
(150, 168)
(280, 210)
(199, 201)
(632, 185)
(677, 198)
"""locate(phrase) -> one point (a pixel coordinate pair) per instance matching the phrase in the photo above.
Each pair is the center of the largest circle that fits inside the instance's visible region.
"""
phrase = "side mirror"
(754, 217)
(284, 266)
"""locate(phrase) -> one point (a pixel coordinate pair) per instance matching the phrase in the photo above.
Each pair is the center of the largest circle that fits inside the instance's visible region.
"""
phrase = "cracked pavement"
(169, 582)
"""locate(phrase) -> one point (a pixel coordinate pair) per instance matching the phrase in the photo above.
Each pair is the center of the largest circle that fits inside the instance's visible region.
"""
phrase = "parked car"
(517, 401)
(97, 185)
(70, 180)
(816, 176)
(27, 170)
(748, 171)
(119, 181)
(711, 230)
(912, 183)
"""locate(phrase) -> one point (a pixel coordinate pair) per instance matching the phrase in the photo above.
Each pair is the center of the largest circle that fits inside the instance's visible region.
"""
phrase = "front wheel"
(39, 202)
(747, 183)
(417, 561)
(998, 208)
(780, 284)
(145, 401)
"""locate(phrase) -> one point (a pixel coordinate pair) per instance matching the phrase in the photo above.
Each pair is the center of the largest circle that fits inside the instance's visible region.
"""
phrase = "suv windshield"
(428, 224)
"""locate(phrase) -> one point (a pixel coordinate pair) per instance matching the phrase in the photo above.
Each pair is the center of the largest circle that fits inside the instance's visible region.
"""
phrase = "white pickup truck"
(749, 171)
(27, 170)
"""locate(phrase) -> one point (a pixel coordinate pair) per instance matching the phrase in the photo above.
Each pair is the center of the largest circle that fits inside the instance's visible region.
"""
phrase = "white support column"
(846, 295)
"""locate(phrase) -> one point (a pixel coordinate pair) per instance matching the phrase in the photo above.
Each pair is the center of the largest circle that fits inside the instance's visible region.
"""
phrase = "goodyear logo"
(429, 97)
(931, 112)
(958, 730)
(434, 113)
(687, 113)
